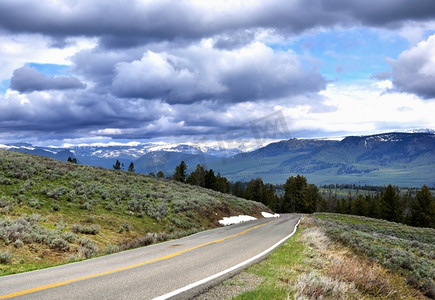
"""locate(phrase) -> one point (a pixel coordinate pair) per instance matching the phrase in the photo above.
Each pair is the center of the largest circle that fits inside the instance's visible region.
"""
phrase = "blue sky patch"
(347, 55)
(51, 69)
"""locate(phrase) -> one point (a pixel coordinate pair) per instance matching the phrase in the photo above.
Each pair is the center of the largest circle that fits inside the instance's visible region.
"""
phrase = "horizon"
(218, 145)
(80, 72)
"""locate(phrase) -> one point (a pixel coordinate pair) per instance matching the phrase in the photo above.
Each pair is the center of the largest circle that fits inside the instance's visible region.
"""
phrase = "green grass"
(52, 212)
(278, 270)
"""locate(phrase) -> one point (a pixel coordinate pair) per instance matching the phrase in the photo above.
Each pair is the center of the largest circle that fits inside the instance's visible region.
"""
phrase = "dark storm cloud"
(28, 79)
(132, 23)
(251, 73)
(382, 13)
(70, 112)
(414, 70)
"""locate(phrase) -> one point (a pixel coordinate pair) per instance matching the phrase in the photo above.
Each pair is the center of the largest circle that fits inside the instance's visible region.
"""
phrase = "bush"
(5, 258)
(89, 248)
(69, 237)
(18, 244)
(59, 244)
(33, 202)
(112, 249)
(124, 226)
(92, 229)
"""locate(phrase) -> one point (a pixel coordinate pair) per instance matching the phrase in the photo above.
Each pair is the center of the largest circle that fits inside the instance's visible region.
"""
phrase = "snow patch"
(269, 215)
(236, 219)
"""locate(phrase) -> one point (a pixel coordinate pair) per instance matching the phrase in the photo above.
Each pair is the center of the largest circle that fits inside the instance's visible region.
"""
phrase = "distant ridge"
(405, 158)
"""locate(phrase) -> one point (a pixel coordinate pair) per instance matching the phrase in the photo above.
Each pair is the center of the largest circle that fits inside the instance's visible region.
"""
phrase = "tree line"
(300, 196)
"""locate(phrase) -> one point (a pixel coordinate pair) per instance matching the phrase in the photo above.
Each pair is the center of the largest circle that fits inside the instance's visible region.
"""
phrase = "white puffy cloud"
(414, 69)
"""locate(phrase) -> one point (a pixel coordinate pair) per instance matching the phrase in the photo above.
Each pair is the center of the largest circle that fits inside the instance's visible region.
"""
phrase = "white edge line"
(202, 281)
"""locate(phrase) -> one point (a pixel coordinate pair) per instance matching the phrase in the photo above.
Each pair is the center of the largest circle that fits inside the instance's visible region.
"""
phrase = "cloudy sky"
(79, 71)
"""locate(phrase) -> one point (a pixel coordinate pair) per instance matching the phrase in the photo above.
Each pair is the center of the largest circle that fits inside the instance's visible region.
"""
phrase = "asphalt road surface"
(178, 269)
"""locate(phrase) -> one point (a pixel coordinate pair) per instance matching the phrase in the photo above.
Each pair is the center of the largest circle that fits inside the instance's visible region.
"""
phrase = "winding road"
(178, 269)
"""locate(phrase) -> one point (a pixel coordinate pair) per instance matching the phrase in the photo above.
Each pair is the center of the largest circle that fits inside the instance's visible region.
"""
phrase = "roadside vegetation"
(335, 256)
(53, 212)
(414, 207)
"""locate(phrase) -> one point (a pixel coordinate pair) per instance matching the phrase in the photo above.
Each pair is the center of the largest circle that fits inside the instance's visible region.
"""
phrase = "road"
(176, 269)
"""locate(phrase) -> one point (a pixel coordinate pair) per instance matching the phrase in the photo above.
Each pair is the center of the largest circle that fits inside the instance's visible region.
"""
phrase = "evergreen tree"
(197, 177)
(160, 174)
(423, 209)
(72, 160)
(391, 209)
(271, 198)
(374, 206)
(256, 191)
(314, 200)
(210, 180)
(361, 207)
(180, 172)
(117, 165)
(131, 167)
(238, 190)
(222, 184)
(295, 196)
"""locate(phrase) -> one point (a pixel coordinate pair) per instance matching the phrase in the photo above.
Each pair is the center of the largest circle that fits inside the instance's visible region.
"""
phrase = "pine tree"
(271, 199)
(222, 184)
(257, 191)
(160, 174)
(295, 196)
(131, 167)
(197, 177)
(210, 180)
(180, 172)
(391, 209)
(423, 209)
(117, 165)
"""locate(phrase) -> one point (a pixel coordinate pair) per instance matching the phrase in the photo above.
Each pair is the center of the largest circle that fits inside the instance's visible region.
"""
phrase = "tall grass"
(407, 250)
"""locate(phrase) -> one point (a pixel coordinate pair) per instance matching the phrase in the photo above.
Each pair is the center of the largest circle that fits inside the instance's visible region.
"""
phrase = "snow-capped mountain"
(104, 155)
(402, 158)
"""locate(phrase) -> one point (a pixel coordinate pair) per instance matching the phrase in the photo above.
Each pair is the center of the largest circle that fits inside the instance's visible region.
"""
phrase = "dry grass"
(337, 273)
(315, 286)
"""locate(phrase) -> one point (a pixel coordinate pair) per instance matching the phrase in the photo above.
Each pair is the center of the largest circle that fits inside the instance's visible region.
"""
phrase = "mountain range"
(400, 158)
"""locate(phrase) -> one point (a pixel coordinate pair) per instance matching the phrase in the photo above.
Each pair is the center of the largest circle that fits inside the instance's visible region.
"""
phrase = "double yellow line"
(53, 285)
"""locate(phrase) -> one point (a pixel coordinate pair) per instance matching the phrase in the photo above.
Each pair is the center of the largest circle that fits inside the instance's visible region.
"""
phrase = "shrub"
(18, 243)
(89, 248)
(124, 226)
(33, 202)
(5, 257)
(69, 237)
(87, 205)
(112, 249)
(59, 244)
(92, 229)
(55, 207)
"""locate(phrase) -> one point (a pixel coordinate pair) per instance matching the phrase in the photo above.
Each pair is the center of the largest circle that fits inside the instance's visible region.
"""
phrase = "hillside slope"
(53, 212)
(406, 159)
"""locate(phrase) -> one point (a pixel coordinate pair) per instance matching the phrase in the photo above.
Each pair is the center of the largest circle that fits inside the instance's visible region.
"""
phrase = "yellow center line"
(49, 286)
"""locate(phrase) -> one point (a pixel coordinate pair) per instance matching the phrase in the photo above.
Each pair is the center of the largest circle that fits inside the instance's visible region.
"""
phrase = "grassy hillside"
(404, 159)
(53, 212)
(335, 256)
